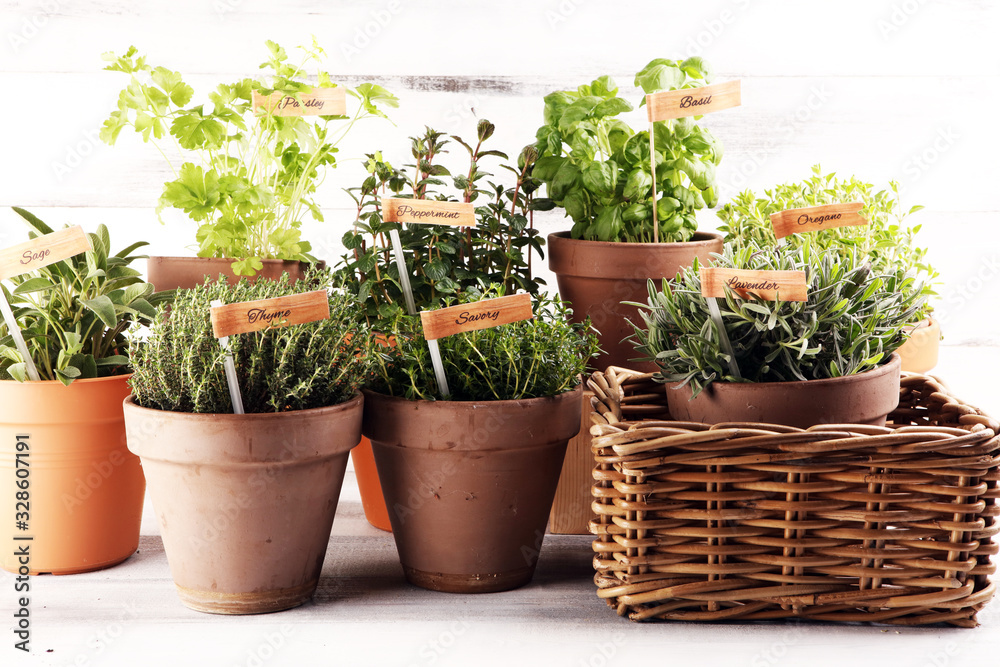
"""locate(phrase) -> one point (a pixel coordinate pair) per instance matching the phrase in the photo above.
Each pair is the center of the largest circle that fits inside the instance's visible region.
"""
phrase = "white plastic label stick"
(230, 366)
(15, 333)
(727, 347)
(404, 276)
(442, 380)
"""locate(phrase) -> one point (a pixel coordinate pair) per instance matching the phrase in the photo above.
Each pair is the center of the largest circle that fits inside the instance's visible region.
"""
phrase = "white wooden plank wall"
(902, 89)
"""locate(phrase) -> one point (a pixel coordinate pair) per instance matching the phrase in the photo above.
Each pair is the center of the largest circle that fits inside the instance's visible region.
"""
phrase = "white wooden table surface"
(364, 612)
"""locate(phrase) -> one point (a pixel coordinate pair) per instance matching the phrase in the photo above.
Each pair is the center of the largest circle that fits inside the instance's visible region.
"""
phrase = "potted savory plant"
(441, 261)
(469, 480)
(597, 169)
(81, 501)
(246, 502)
(249, 173)
(828, 359)
(888, 241)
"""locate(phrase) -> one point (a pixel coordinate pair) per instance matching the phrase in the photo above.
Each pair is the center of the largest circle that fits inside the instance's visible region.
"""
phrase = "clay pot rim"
(474, 404)
(51, 383)
(188, 258)
(699, 238)
(893, 365)
(925, 323)
(355, 400)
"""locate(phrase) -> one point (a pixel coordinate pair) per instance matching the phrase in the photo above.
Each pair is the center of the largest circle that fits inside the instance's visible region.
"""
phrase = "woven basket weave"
(756, 521)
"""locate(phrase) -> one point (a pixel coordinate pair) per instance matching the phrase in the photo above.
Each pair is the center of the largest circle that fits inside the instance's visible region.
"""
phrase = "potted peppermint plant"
(247, 174)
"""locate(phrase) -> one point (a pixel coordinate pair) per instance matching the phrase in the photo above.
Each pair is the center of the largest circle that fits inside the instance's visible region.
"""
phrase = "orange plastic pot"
(84, 488)
(372, 498)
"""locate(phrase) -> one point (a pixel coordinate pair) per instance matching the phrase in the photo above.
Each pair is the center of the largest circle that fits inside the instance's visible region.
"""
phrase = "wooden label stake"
(472, 316)
(237, 318)
(31, 255)
(815, 218)
(693, 101)
(767, 285)
(318, 102)
(428, 212)
(42, 251)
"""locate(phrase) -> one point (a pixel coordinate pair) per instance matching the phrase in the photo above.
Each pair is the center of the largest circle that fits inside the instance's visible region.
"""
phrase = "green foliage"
(597, 168)
(888, 241)
(853, 320)
(180, 366)
(442, 261)
(543, 356)
(252, 174)
(75, 314)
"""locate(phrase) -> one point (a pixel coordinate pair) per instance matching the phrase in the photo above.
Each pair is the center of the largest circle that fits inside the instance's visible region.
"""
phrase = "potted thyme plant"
(597, 169)
(249, 175)
(888, 240)
(469, 481)
(83, 504)
(246, 501)
(829, 359)
(442, 261)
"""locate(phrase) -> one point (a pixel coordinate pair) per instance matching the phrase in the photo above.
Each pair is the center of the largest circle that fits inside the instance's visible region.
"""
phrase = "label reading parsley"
(815, 218)
(428, 212)
(473, 316)
(693, 101)
(237, 318)
(318, 102)
(768, 285)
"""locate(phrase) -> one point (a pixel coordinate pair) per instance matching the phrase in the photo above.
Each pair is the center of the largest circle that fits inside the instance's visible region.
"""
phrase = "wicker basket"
(757, 521)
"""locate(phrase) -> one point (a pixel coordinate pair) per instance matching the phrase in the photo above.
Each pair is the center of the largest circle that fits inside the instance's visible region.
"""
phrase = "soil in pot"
(245, 503)
(865, 398)
(596, 277)
(469, 485)
(920, 351)
(83, 503)
(168, 273)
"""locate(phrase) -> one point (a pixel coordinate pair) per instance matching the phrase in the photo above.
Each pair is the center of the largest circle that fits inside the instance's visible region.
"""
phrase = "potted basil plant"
(889, 240)
(81, 497)
(597, 169)
(248, 175)
(829, 359)
(469, 481)
(246, 502)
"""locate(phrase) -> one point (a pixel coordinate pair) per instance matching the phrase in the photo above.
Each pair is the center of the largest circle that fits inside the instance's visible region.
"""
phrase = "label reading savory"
(473, 316)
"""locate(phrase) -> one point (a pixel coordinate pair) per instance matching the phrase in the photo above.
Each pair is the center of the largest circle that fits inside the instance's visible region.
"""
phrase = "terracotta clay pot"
(865, 398)
(245, 503)
(596, 277)
(469, 484)
(168, 273)
(85, 489)
(920, 351)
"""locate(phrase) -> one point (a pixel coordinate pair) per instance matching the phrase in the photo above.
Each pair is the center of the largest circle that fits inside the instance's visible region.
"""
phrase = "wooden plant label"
(237, 318)
(42, 251)
(815, 218)
(319, 102)
(769, 285)
(693, 101)
(472, 316)
(428, 212)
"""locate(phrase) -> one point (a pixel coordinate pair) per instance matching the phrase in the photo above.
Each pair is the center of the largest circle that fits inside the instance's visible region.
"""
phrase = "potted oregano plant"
(469, 480)
(247, 175)
(82, 502)
(597, 169)
(888, 240)
(828, 359)
(442, 261)
(246, 502)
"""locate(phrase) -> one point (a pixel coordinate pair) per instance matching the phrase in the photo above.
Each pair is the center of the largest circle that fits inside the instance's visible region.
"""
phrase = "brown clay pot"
(245, 503)
(865, 398)
(83, 502)
(596, 277)
(920, 351)
(469, 484)
(168, 273)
